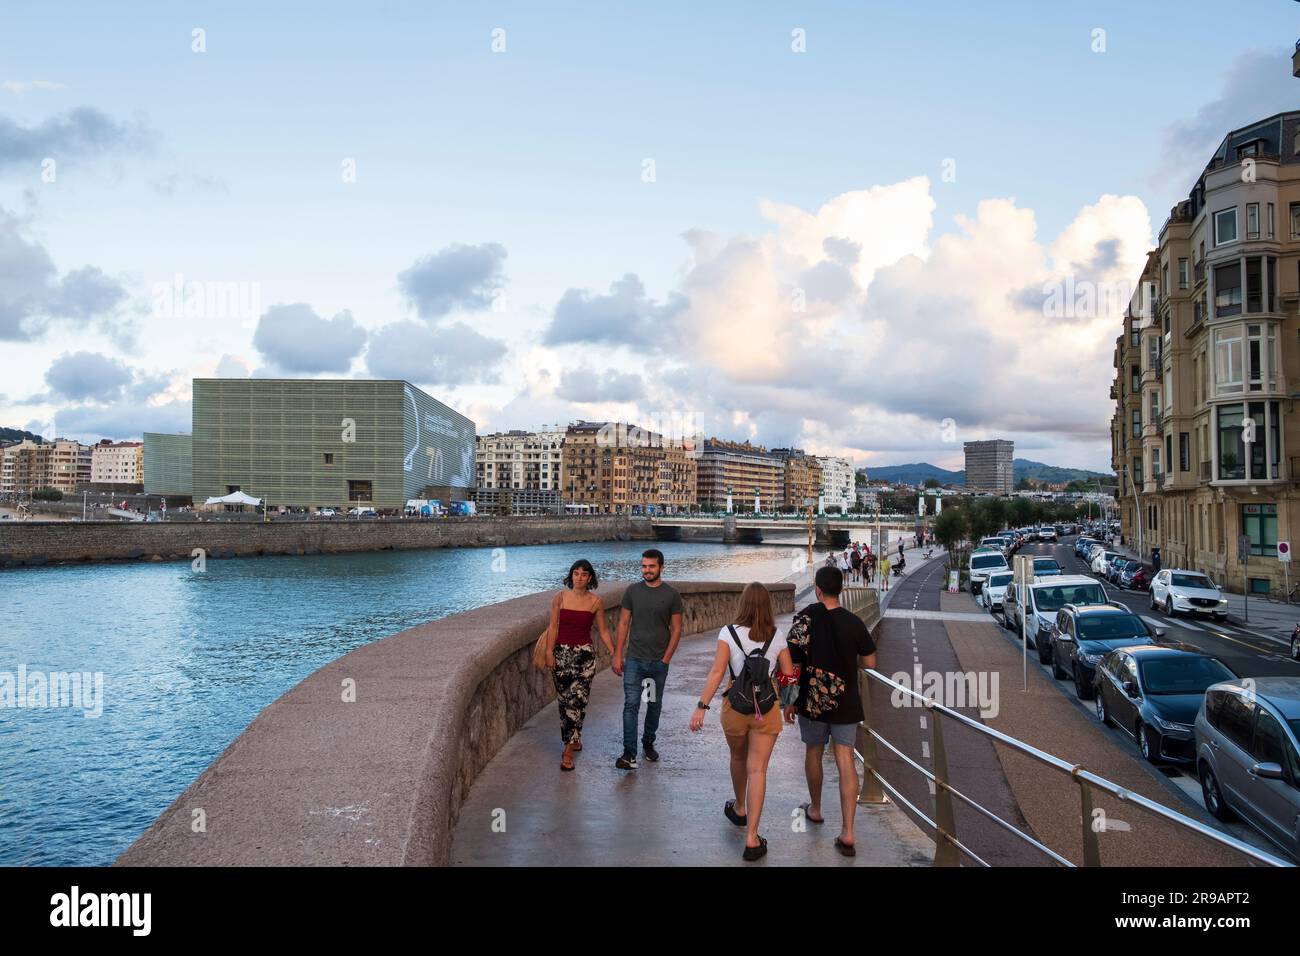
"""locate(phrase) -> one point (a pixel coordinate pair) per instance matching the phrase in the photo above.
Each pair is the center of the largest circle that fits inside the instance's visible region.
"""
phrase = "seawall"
(26, 543)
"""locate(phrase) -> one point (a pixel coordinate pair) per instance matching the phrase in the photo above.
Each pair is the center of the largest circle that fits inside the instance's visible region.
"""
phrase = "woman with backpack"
(753, 651)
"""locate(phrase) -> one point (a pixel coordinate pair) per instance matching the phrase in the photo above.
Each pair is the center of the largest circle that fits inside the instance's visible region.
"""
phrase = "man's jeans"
(642, 679)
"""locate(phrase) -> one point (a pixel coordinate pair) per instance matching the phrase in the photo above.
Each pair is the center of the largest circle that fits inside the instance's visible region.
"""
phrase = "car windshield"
(1054, 597)
(987, 561)
(1105, 627)
(1192, 581)
(1045, 564)
(1182, 674)
(1000, 580)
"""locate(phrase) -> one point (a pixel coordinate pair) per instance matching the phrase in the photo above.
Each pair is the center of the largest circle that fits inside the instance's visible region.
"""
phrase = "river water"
(189, 658)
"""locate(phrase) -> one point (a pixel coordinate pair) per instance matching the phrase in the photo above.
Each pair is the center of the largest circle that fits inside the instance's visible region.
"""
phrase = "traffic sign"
(1243, 548)
(1284, 552)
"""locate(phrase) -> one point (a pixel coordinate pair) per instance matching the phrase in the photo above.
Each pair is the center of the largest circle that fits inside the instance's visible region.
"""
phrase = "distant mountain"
(17, 434)
(916, 474)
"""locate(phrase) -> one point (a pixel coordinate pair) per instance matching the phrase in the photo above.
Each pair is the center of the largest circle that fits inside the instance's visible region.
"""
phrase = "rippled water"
(189, 659)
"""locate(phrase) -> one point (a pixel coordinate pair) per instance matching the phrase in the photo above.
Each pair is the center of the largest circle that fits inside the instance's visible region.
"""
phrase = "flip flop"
(804, 807)
(569, 766)
(753, 853)
(577, 746)
(729, 808)
(847, 849)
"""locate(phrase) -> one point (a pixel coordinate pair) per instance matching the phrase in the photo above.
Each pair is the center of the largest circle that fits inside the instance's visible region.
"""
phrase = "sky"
(847, 227)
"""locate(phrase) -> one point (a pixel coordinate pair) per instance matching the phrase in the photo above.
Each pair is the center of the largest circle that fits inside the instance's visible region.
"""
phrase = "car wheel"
(1169, 606)
(1081, 690)
(1144, 744)
(1220, 618)
(1057, 670)
(1295, 649)
(1101, 711)
(1213, 796)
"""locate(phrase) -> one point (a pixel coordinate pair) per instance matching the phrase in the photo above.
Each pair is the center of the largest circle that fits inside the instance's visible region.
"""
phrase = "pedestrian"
(753, 651)
(827, 641)
(856, 560)
(884, 571)
(570, 655)
(900, 549)
(649, 630)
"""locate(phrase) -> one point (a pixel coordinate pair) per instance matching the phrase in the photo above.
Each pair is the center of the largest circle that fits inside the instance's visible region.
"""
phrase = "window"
(1295, 220)
(1184, 452)
(1227, 290)
(1225, 226)
(1259, 523)
(1236, 716)
(1232, 450)
(1135, 336)
(1182, 275)
(1137, 423)
(1252, 220)
(1137, 471)
(329, 458)
(1136, 374)
(1265, 451)
(1227, 361)
(1169, 451)
(1270, 739)
(1155, 407)
(1155, 462)
(1271, 227)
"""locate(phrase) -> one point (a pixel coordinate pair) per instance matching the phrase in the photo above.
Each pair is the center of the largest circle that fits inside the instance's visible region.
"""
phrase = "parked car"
(1248, 755)
(995, 588)
(1175, 591)
(1047, 533)
(1136, 576)
(1153, 693)
(1082, 636)
(981, 565)
(1046, 567)
(1034, 606)
(1101, 559)
(326, 513)
(998, 543)
(1116, 568)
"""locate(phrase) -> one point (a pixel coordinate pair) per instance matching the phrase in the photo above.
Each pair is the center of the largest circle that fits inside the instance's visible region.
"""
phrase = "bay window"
(1227, 290)
(1227, 360)
(1245, 358)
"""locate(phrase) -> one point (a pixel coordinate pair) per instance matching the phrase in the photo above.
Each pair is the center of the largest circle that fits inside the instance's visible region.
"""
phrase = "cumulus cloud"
(32, 292)
(231, 366)
(124, 421)
(587, 385)
(294, 338)
(87, 376)
(625, 316)
(453, 354)
(457, 277)
(81, 133)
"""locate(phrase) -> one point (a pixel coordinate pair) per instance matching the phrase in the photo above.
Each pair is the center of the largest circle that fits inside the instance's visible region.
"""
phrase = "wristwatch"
(701, 705)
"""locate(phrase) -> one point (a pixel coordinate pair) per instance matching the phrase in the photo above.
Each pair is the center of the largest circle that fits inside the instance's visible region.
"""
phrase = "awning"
(234, 498)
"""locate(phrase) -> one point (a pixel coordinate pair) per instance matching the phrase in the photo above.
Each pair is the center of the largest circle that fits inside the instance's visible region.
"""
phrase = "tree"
(47, 494)
(1020, 511)
(950, 527)
(932, 482)
(1024, 484)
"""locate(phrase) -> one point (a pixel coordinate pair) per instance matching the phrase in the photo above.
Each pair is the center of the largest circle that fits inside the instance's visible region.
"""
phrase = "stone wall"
(41, 542)
(317, 780)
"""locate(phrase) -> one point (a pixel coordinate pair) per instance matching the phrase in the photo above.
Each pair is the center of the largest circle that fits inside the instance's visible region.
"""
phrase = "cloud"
(31, 292)
(124, 421)
(92, 376)
(587, 385)
(84, 132)
(294, 338)
(19, 87)
(425, 355)
(232, 366)
(457, 277)
(623, 317)
(1256, 85)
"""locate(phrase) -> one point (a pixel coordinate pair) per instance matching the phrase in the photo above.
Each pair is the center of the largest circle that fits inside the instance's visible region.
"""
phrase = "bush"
(47, 494)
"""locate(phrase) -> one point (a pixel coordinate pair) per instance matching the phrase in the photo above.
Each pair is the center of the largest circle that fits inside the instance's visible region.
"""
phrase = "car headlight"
(1223, 600)
(1173, 726)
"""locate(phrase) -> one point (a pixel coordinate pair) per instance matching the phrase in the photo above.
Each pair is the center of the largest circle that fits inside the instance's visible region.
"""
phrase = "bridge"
(829, 531)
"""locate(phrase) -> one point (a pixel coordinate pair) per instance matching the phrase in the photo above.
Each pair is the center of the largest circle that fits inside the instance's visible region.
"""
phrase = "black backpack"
(752, 691)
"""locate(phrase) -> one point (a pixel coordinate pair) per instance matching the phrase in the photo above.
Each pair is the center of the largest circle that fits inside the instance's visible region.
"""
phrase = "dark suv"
(1083, 635)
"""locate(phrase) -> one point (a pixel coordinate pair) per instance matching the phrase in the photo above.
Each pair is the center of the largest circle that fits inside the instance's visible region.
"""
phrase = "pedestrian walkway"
(522, 811)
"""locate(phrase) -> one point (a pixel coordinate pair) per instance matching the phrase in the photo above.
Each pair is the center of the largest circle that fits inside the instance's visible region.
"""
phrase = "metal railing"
(948, 848)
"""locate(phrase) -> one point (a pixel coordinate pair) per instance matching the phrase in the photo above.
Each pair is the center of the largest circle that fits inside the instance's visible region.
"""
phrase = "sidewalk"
(522, 811)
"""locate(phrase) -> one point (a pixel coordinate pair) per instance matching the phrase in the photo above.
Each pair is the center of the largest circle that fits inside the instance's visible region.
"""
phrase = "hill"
(917, 473)
(17, 434)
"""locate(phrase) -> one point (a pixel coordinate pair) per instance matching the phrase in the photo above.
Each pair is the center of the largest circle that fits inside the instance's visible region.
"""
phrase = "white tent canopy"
(234, 498)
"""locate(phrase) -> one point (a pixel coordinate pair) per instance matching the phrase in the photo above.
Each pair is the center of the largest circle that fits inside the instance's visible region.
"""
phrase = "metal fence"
(948, 847)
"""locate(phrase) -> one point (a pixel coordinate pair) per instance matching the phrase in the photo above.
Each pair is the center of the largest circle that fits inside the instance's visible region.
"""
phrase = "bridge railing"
(948, 848)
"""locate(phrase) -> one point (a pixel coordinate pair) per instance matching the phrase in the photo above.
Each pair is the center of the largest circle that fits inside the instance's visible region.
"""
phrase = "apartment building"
(613, 467)
(1204, 436)
(990, 466)
(801, 478)
(29, 465)
(746, 471)
(117, 464)
(837, 483)
(521, 460)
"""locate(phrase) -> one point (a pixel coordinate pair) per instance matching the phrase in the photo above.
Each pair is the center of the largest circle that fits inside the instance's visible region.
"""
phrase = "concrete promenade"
(664, 814)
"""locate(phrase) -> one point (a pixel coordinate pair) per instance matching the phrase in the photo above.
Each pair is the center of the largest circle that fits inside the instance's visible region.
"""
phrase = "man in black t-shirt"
(826, 641)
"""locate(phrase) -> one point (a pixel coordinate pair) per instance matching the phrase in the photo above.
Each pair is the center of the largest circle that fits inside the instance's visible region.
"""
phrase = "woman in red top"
(570, 654)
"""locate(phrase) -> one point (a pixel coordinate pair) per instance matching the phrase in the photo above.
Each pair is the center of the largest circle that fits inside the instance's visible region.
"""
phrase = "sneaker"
(627, 761)
(650, 753)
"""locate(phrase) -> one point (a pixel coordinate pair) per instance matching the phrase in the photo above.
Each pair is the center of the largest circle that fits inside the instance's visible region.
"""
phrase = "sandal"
(808, 816)
(846, 849)
(577, 745)
(566, 761)
(729, 808)
(753, 853)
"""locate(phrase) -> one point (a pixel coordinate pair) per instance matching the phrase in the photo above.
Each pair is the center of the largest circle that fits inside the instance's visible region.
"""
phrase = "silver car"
(1248, 755)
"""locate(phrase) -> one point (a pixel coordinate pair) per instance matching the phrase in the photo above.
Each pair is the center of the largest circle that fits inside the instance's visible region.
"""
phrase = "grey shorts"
(815, 733)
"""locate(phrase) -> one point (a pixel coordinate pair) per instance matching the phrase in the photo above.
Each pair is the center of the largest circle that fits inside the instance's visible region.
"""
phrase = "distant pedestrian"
(649, 630)
(826, 641)
(884, 572)
(856, 561)
(753, 651)
(570, 655)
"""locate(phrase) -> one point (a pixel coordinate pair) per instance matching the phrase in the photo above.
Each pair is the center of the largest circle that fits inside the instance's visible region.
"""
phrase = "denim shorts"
(815, 733)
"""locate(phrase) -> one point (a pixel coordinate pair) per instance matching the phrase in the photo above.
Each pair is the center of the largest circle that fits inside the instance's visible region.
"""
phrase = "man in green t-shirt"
(649, 629)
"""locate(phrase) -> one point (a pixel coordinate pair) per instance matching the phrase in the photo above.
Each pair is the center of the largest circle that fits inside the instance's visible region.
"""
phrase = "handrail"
(947, 846)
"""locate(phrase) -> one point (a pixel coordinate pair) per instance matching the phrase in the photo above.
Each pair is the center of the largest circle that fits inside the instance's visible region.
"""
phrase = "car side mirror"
(1131, 688)
(1268, 771)
(1160, 632)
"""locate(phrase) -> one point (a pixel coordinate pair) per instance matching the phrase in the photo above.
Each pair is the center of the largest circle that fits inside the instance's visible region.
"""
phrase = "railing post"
(1091, 845)
(871, 791)
(945, 850)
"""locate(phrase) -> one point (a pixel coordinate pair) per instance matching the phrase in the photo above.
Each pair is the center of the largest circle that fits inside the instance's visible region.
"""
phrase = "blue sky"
(225, 166)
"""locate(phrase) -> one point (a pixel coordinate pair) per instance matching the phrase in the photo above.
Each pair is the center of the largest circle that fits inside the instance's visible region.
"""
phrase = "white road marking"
(925, 750)
(923, 723)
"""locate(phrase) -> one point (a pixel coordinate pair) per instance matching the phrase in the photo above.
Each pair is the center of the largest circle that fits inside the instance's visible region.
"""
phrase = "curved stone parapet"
(368, 760)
